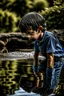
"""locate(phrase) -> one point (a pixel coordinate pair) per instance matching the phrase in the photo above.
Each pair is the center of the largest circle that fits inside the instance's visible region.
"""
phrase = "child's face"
(31, 34)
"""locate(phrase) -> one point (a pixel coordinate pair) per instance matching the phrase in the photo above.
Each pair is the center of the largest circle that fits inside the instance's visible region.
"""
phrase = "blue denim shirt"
(49, 44)
(63, 49)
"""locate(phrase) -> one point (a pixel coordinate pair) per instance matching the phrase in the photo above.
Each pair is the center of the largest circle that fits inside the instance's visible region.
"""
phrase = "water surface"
(17, 65)
(14, 66)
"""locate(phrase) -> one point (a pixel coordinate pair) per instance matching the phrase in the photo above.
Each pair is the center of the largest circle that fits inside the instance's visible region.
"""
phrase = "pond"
(16, 71)
(13, 67)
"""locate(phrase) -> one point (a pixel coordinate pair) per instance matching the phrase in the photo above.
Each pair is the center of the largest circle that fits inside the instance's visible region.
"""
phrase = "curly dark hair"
(31, 20)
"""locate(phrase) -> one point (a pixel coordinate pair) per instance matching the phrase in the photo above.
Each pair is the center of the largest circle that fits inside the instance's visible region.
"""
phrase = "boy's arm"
(35, 64)
(50, 60)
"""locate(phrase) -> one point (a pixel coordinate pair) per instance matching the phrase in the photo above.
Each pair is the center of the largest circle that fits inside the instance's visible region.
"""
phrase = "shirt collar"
(40, 41)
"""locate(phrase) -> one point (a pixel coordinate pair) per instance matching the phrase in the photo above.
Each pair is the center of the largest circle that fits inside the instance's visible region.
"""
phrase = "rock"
(16, 40)
(19, 40)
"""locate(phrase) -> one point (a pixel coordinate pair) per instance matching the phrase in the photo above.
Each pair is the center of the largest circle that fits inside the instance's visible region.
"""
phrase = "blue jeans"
(51, 76)
(56, 74)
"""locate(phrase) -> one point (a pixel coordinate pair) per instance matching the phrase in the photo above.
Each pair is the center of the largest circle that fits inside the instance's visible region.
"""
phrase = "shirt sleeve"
(36, 47)
(50, 45)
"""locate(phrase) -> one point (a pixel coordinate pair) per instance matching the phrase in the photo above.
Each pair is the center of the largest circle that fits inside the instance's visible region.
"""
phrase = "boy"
(33, 24)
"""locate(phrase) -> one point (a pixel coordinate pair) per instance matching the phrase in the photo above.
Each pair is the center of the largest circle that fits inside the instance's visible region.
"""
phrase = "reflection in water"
(10, 72)
(12, 69)
(13, 65)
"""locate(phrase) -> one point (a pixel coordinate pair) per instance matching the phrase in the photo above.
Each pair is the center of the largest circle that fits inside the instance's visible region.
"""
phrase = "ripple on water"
(19, 56)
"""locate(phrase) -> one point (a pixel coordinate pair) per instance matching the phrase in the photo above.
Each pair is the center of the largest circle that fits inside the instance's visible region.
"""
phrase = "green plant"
(54, 17)
(39, 5)
(8, 21)
(57, 2)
